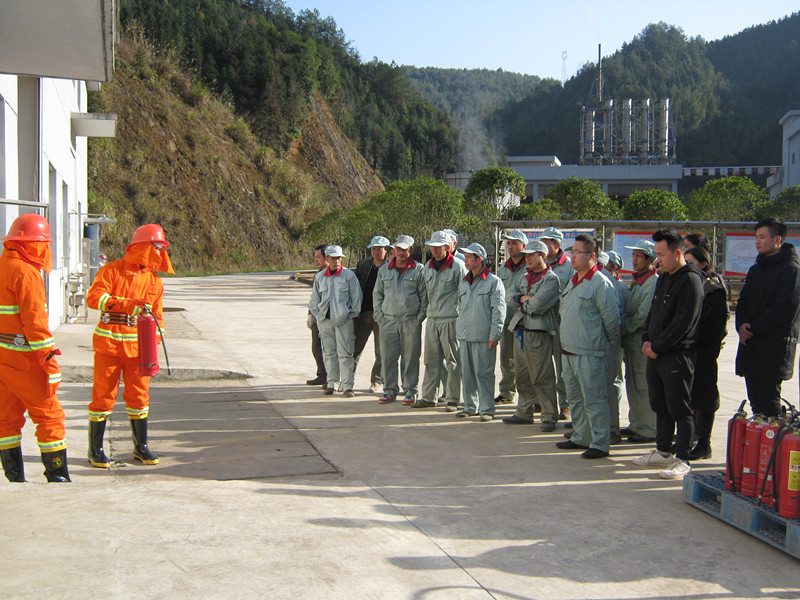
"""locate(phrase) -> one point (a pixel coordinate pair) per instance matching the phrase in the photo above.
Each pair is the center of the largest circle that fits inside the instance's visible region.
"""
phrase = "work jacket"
(671, 325)
(562, 267)
(400, 295)
(118, 290)
(509, 273)
(481, 308)
(539, 313)
(589, 315)
(335, 296)
(25, 339)
(770, 303)
(442, 288)
(641, 297)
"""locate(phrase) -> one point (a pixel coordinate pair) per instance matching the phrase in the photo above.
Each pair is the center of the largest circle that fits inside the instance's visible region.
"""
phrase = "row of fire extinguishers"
(763, 459)
(146, 327)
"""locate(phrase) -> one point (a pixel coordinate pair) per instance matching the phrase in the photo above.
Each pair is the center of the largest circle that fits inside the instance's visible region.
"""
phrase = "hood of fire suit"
(145, 255)
(37, 254)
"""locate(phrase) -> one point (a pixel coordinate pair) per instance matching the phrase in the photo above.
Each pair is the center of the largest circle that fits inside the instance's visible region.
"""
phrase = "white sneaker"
(675, 470)
(375, 388)
(654, 458)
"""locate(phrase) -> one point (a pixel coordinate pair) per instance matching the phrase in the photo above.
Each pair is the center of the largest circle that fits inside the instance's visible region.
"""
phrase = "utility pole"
(563, 67)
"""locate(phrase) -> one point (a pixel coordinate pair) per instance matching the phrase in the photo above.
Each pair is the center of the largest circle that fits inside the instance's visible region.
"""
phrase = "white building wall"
(789, 174)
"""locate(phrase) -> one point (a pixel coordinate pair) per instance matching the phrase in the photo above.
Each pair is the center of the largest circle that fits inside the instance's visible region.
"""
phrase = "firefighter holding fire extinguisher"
(123, 291)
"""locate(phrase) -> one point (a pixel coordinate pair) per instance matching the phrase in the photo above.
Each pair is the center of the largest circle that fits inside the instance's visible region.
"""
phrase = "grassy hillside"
(182, 158)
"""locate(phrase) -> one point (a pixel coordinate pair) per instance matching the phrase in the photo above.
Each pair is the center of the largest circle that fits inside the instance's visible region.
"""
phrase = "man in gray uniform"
(509, 272)
(399, 302)
(335, 303)
(481, 314)
(560, 264)
(442, 275)
(642, 419)
(534, 305)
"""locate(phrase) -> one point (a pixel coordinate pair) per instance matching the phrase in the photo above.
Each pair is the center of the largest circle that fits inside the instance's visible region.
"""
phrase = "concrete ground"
(268, 489)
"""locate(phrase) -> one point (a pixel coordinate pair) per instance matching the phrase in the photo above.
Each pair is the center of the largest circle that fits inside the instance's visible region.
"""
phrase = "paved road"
(268, 489)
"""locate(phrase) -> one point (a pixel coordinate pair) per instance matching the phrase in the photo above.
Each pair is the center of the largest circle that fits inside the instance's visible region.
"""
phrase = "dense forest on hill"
(469, 96)
(270, 63)
(727, 95)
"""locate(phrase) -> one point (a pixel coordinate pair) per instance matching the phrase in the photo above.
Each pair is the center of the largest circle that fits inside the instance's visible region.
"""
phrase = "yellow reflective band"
(52, 446)
(137, 311)
(10, 442)
(118, 337)
(9, 310)
(47, 343)
(98, 415)
(54, 378)
(16, 348)
(103, 299)
(134, 413)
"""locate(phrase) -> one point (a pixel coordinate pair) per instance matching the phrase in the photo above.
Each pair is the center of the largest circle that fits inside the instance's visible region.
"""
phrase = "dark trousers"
(365, 325)
(764, 395)
(316, 350)
(669, 384)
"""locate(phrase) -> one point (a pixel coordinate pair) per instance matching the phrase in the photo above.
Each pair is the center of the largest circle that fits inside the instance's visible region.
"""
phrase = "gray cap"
(535, 246)
(334, 251)
(378, 240)
(515, 235)
(403, 241)
(476, 249)
(439, 238)
(646, 246)
(615, 259)
(602, 257)
(551, 233)
(451, 233)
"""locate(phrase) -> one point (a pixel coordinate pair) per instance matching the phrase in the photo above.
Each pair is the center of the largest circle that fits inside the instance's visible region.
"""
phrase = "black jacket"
(671, 324)
(713, 325)
(770, 303)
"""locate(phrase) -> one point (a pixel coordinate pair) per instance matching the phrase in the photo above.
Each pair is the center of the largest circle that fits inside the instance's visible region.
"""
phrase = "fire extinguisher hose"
(147, 311)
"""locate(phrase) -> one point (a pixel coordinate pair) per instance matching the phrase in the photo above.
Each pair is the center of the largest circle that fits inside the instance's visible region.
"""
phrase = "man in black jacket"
(768, 318)
(669, 345)
(311, 322)
(367, 273)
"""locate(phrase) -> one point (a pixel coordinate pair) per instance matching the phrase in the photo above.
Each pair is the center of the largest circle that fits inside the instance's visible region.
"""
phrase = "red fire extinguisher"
(733, 464)
(148, 344)
(788, 480)
(766, 461)
(752, 445)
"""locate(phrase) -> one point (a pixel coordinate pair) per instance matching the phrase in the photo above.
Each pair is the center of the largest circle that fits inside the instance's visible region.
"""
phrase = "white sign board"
(740, 252)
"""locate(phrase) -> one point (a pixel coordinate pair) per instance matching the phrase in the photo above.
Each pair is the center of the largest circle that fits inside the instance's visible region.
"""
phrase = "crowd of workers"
(564, 326)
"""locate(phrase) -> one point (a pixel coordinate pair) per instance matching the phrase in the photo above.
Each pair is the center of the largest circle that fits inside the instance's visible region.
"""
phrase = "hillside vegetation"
(182, 158)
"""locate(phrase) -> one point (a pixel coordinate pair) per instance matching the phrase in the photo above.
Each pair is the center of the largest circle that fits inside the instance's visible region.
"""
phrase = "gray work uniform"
(509, 273)
(481, 314)
(335, 302)
(589, 324)
(399, 303)
(441, 345)
(533, 343)
(614, 381)
(562, 267)
(641, 417)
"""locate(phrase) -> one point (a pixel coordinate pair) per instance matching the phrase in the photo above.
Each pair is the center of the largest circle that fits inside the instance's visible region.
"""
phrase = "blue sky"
(525, 36)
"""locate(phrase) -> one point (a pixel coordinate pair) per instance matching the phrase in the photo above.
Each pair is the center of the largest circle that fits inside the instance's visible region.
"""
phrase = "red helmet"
(29, 228)
(149, 233)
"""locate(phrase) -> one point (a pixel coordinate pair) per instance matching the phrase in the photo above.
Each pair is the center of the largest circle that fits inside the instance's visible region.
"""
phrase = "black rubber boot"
(13, 465)
(55, 466)
(140, 449)
(705, 423)
(97, 457)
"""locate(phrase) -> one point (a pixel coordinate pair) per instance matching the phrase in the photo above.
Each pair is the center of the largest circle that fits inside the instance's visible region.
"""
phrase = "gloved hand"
(128, 306)
(52, 372)
(310, 320)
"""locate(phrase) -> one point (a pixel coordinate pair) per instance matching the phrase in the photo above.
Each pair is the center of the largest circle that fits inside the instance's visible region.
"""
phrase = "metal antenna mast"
(563, 67)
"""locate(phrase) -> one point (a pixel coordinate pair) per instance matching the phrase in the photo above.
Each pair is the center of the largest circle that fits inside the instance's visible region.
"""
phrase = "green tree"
(582, 199)
(543, 210)
(493, 183)
(653, 205)
(725, 199)
(786, 205)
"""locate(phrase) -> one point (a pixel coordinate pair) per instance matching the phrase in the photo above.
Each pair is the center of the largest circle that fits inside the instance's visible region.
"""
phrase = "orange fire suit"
(119, 290)
(29, 373)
